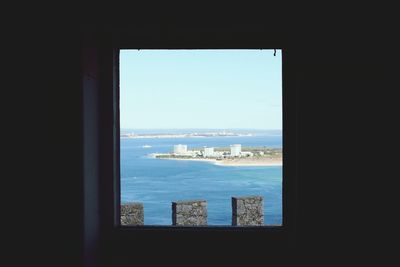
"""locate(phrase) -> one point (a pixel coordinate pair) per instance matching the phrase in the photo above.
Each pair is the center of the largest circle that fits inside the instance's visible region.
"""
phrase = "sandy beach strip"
(249, 162)
(237, 162)
(188, 159)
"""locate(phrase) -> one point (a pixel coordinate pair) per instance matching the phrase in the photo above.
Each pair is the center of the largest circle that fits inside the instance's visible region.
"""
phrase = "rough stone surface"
(189, 213)
(247, 211)
(132, 214)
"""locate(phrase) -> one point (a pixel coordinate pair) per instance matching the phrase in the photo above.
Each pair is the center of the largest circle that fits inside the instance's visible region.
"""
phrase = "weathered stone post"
(189, 213)
(132, 214)
(247, 211)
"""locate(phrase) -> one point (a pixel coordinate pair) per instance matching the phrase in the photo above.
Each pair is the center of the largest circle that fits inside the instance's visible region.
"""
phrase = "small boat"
(146, 146)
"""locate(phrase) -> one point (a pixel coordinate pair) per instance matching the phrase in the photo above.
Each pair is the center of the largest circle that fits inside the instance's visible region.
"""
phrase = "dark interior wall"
(62, 71)
(91, 141)
(331, 78)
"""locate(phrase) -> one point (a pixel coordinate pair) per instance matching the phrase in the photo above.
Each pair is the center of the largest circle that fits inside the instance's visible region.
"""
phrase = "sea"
(158, 182)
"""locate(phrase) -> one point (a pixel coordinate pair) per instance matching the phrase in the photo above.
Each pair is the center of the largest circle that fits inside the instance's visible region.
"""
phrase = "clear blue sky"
(222, 89)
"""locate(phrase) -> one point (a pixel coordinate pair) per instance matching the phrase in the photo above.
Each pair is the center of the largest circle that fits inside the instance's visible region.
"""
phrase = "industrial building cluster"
(209, 152)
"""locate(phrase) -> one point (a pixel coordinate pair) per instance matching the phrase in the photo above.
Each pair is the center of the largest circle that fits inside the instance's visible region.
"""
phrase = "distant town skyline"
(201, 89)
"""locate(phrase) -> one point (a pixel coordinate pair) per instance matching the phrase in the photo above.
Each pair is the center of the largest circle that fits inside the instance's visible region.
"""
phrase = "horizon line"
(200, 128)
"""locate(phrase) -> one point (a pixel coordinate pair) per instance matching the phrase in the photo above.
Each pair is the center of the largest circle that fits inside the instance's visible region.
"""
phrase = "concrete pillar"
(132, 214)
(247, 211)
(189, 213)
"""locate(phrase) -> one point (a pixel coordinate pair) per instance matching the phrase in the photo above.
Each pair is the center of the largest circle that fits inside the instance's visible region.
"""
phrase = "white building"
(208, 152)
(180, 149)
(235, 150)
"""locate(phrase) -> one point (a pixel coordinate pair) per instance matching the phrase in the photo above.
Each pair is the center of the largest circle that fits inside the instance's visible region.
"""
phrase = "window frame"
(110, 144)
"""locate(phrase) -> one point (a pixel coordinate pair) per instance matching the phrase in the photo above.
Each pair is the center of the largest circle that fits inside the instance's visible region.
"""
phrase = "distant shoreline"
(250, 162)
(157, 136)
(237, 161)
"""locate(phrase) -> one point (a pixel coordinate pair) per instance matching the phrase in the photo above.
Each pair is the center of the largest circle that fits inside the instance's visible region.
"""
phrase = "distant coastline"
(184, 135)
(250, 162)
(235, 155)
(235, 162)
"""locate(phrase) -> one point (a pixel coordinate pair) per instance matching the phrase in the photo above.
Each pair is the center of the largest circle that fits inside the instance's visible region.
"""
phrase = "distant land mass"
(248, 156)
(192, 133)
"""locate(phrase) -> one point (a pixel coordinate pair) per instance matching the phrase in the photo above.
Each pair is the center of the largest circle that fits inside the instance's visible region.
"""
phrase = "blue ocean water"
(156, 182)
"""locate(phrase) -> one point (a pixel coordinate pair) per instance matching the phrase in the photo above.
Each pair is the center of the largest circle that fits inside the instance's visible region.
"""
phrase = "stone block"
(247, 211)
(189, 213)
(132, 214)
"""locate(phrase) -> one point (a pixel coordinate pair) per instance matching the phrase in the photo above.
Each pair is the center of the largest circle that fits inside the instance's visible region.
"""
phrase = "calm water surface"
(156, 182)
